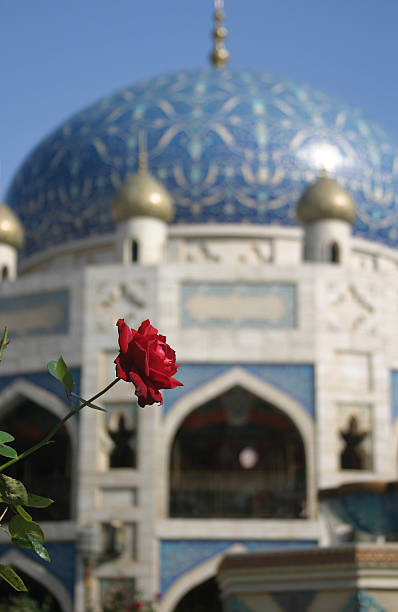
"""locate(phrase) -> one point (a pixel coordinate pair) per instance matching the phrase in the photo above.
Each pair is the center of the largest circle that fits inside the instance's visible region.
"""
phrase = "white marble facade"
(242, 298)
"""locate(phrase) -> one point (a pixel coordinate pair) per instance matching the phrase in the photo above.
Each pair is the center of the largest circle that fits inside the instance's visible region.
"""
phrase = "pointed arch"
(23, 390)
(194, 577)
(237, 376)
(20, 388)
(39, 573)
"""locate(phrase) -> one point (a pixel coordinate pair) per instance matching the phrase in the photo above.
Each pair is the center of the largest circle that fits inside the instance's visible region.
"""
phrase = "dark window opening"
(203, 598)
(134, 251)
(124, 451)
(237, 456)
(353, 456)
(334, 253)
(48, 472)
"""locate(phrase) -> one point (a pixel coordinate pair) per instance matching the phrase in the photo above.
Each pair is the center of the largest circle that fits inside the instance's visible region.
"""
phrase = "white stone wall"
(216, 244)
(345, 325)
(8, 262)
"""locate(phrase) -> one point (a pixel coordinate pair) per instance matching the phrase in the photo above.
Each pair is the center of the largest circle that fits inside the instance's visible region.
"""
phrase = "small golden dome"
(11, 230)
(325, 199)
(142, 196)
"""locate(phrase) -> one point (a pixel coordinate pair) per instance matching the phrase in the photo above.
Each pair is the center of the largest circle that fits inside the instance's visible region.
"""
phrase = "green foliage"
(90, 404)
(27, 534)
(23, 531)
(12, 491)
(3, 342)
(6, 437)
(24, 513)
(6, 450)
(37, 501)
(25, 603)
(60, 371)
(10, 576)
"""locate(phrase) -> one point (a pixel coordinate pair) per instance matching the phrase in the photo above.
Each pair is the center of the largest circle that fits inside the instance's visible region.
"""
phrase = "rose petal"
(146, 329)
(146, 360)
(125, 335)
(139, 356)
(140, 386)
(120, 372)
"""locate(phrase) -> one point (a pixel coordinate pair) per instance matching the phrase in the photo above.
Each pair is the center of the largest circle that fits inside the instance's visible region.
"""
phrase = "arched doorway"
(203, 598)
(237, 456)
(37, 599)
(48, 471)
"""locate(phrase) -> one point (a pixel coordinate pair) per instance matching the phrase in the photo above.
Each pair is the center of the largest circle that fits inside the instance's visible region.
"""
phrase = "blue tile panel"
(180, 556)
(35, 314)
(232, 146)
(254, 305)
(394, 394)
(44, 380)
(62, 554)
(296, 380)
(361, 601)
(374, 512)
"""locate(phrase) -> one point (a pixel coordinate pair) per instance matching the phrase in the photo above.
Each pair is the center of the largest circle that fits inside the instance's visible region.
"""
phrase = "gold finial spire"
(142, 153)
(219, 56)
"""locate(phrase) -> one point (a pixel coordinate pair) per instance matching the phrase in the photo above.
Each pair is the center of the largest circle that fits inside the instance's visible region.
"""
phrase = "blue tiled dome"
(230, 146)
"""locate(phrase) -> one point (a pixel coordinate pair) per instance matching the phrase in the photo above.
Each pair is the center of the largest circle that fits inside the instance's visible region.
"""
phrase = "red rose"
(138, 604)
(145, 360)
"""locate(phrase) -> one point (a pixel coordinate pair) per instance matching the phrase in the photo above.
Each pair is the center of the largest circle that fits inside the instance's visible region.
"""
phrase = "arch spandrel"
(38, 572)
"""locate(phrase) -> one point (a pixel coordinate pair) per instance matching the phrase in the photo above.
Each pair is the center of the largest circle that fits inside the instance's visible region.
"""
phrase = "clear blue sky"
(57, 56)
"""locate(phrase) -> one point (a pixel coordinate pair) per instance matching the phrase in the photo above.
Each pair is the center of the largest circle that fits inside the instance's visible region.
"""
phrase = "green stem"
(4, 341)
(58, 426)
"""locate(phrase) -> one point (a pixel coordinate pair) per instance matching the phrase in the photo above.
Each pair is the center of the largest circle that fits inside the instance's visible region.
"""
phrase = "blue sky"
(59, 56)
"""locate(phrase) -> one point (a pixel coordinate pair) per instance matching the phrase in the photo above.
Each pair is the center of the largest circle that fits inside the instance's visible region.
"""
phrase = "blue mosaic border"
(296, 380)
(43, 380)
(63, 561)
(394, 394)
(202, 298)
(362, 601)
(36, 314)
(180, 556)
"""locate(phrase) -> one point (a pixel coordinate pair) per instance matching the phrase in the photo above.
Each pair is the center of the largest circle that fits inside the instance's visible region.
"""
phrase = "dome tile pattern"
(231, 146)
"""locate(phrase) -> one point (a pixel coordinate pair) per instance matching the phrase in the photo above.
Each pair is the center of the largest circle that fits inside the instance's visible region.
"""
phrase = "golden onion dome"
(142, 196)
(325, 199)
(11, 230)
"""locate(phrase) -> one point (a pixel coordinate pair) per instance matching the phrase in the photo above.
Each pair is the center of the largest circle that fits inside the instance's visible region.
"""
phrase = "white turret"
(327, 211)
(142, 210)
(11, 239)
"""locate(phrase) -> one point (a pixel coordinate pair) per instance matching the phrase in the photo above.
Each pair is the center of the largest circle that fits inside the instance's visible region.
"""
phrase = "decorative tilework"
(369, 511)
(36, 314)
(231, 146)
(361, 601)
(44, 380)
(394, 394)
(297, 380)
(180, 556)
(243, 304)
(62, 554)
